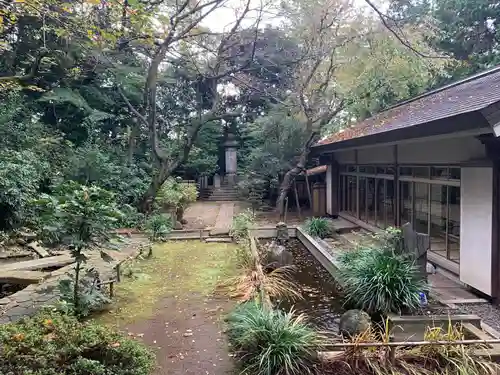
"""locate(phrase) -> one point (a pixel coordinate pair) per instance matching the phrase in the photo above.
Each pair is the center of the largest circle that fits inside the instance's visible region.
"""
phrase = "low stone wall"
(319, 251)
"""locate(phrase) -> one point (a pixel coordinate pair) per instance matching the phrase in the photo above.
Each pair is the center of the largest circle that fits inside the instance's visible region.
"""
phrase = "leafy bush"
(379, 281)
(318, 227)
(158, 226)
(92, 298)
(55, 344)
(21, 176)
(176, 194)
(82, 217)
(272, 342)
(390, 239)
(131, 218)
(241, 225)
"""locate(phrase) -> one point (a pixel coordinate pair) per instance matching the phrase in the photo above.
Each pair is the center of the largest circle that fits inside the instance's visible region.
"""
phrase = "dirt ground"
(200, 215)
(187, 336)
(168, 303)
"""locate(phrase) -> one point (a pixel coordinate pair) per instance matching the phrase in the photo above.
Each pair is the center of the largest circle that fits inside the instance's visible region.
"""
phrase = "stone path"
(224, 219)
(200, 215)
(31, 299)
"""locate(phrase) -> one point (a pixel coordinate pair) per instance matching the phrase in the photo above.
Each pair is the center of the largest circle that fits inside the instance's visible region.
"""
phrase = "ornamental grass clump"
(380, 281)
(450, 359)
(272, 342)
(318, 227)
(241, 225)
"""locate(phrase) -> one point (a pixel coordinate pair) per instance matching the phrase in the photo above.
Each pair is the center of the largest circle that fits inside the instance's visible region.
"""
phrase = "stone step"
(219, 239)
(38, 264)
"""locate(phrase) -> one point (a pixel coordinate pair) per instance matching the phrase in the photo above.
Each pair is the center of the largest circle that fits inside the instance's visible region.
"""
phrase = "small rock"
(431, 269)
(354, 322)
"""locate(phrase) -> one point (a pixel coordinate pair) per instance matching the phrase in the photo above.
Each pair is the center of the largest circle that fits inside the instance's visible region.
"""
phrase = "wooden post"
(111, 289)
(286, 208)
(309, 192)
(297, 199)
(118, 272)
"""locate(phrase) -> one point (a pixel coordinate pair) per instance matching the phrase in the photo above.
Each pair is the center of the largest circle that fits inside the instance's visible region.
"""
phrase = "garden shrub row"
(51, 343)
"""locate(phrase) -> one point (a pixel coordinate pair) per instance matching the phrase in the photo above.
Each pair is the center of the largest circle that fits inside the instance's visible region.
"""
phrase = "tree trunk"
(146, 202)
(290, 176)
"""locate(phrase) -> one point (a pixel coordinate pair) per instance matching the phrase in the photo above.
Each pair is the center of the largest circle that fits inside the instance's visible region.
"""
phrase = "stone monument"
(231, 145)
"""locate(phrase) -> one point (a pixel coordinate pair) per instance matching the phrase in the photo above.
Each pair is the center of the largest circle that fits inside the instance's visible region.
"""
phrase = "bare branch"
(401, 38)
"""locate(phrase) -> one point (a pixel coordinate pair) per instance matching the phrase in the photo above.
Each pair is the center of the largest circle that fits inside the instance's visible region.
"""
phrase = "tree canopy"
(123, 94)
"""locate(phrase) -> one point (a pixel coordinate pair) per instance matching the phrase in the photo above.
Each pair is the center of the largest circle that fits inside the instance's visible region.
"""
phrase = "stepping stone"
(23, 277)
(219, 239)
(37, 264)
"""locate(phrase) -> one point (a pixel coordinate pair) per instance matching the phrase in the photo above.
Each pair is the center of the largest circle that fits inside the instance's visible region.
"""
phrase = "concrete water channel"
(318, 274)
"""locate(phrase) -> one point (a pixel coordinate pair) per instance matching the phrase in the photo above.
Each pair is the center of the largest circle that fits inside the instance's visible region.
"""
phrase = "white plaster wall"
(376, 155)
(451, 150)
(345, 157)
(329, 208)
(476, 194)
(441, 151)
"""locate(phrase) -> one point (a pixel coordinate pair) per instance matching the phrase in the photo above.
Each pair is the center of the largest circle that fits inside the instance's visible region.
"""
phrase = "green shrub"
(390, 239)
(241, 225)
(272, 342)
(379, 281)
(176, 194)
(131, 218)
(91, 296)
(83, 218)
(55, 344)
(158, 226)
(318, 227)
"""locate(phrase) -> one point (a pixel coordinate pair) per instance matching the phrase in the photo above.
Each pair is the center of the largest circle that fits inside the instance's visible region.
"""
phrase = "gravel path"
(490, 314)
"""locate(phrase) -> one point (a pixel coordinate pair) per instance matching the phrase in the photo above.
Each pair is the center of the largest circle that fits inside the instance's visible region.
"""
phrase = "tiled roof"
(469, 95)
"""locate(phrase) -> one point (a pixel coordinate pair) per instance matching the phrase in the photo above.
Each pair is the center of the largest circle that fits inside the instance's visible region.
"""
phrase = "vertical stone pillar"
(231, 159)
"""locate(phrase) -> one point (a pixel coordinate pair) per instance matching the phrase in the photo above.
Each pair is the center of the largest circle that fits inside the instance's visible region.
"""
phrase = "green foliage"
(241, 225)
(95, 164)
(176, 194)
(318, 227)
(91, 296)
(466, 30)
(380, 281)
(391, 239)
(252, 189)
(55, 344)
(158, 226)
(272, 342)
(272, 143)
(21, 177)
(82, 217)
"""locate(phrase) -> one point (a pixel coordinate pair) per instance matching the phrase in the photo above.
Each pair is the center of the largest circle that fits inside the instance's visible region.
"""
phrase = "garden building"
(433, 161)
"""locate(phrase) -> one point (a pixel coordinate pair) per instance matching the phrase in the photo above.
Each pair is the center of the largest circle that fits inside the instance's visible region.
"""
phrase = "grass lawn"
(176, 269)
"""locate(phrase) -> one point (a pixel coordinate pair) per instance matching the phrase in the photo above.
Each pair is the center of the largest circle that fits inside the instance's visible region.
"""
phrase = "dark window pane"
(422, 172)
(362, 198)
(455, 173)
(440, 172)
(406, 193)
(406, 171)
